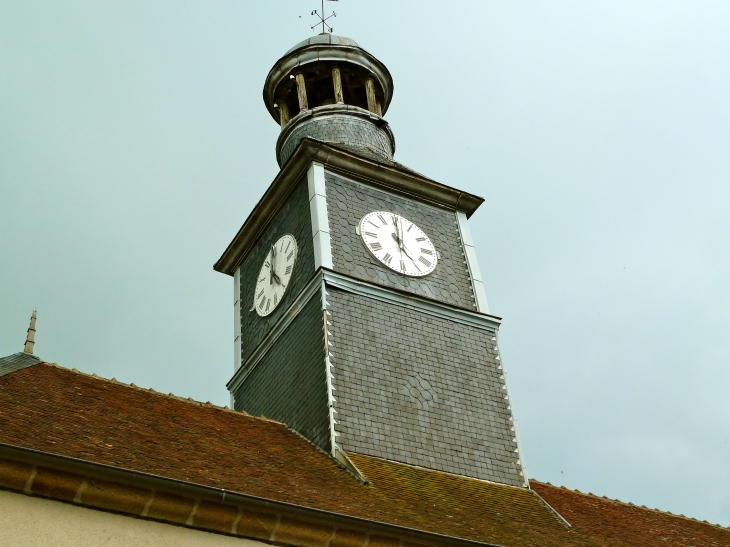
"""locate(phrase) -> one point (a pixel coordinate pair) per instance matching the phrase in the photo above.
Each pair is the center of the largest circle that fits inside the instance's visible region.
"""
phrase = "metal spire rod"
(322, 19)
(30, 339)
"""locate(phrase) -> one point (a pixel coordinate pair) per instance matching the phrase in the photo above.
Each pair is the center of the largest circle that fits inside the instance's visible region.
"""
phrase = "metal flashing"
(384, 176)
(413, 302)
(383, 294)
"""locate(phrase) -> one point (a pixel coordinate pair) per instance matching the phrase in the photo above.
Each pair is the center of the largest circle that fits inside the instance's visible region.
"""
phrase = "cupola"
(330, 89)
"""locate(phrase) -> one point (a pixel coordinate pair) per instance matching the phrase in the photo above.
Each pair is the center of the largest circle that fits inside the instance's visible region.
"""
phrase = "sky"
(134, 142)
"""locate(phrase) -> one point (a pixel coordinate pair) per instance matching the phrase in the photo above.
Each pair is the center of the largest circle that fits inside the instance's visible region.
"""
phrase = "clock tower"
(361, 320)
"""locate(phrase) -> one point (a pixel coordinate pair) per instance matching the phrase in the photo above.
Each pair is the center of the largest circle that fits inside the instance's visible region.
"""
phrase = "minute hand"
(403, 248)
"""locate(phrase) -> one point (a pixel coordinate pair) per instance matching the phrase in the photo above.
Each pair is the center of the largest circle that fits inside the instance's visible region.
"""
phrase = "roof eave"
(388, 177)
(73, 470)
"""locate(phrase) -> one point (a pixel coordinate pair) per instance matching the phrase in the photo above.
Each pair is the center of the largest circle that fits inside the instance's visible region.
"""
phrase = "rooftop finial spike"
(323, 19)
(30, 339)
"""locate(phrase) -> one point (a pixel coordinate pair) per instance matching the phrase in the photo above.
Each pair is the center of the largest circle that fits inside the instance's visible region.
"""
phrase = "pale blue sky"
(134, 142)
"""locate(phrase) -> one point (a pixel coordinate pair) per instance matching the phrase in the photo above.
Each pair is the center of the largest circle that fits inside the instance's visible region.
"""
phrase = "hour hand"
(272, 273)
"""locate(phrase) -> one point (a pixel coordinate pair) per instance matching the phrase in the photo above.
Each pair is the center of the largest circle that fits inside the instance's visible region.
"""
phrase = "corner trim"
(237, 320)
(475, 274)
(319, 216)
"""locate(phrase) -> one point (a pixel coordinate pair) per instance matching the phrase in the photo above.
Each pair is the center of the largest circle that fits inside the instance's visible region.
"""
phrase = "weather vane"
(322, 19)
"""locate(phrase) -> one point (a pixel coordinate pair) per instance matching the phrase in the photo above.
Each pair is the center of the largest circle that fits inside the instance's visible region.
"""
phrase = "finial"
(322, 19)
(30, 339)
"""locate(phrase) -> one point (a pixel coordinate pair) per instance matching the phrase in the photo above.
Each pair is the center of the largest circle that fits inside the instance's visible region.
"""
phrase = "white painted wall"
(26, 521)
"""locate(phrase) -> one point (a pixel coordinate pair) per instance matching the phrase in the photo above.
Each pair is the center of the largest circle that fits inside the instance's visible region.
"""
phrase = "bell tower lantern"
(330, 89)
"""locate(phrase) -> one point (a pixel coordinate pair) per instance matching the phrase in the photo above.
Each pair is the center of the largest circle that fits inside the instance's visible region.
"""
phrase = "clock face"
(276, 271)
(398, 243)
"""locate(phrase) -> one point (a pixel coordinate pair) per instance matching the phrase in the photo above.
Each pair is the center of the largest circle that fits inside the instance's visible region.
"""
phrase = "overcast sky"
(134, 142)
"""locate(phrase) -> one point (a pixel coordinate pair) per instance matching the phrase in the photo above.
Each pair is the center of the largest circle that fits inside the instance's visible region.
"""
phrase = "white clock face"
(398, 243)
(276, 271)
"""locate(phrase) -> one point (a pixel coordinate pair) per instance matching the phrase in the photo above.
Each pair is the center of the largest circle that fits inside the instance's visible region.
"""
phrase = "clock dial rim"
(361, 233)
(286, 289)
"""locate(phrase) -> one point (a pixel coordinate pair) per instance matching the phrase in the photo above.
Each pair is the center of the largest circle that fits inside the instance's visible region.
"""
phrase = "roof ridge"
(188, 400)
(629, 504)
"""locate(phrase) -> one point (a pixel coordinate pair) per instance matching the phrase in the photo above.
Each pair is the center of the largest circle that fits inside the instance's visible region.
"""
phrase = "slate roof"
(60, 411)
(14, 362)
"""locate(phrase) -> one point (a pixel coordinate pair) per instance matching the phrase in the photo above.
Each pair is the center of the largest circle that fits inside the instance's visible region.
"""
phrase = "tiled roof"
(56, 410)
(59, 411)
(611, 522)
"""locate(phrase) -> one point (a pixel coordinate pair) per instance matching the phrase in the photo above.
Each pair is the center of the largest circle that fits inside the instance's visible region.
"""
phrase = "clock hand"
(404, 249)
(400, 245)
(409, 256)
(272, 272)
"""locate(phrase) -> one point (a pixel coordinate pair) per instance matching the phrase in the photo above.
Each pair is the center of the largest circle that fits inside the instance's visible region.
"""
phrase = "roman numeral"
(288, 270)
(420, 239)
(268, 304)
(260, 280)
(426, 251)
(259, 295)
(387, 258)
(402, 265)
(372, 223)
(267, 264)
(376, 246)
(409, 228)
(287, 246)
(288, 257)
(426, 262)
(276, 299)
(382, 220)
(371, 234)
(395, 220)
(261, 304)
